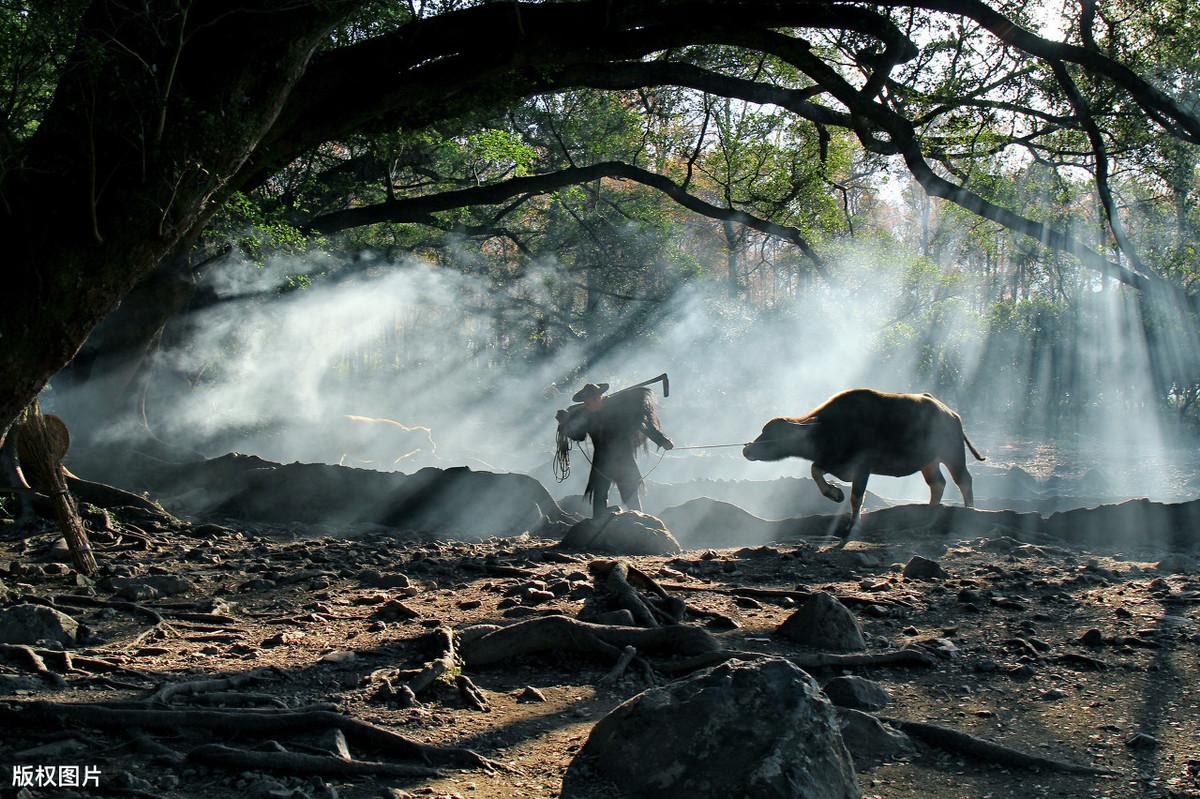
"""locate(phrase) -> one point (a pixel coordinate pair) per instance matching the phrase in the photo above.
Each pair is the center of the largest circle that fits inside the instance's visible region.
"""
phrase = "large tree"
(156, 114)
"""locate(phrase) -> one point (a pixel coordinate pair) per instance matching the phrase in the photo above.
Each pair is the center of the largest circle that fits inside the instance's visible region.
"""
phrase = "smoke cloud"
(426, 360)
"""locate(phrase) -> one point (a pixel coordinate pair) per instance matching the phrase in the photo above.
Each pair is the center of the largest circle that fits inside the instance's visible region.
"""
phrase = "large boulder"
(760, 728)
(28, 624)
(627, 532)
(823, 622)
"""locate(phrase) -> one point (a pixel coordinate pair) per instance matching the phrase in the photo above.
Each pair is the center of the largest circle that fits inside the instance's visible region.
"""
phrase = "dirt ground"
(1004, 627)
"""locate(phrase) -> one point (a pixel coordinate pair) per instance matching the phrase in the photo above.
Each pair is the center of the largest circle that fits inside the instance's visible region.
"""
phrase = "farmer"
(618, 425)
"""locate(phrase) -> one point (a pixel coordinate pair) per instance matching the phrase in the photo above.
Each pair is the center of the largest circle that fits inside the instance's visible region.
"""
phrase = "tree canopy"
(138, 141)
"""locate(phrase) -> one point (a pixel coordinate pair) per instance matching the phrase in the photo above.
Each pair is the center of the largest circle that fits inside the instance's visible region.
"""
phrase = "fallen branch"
(964, 743)
(301, 764)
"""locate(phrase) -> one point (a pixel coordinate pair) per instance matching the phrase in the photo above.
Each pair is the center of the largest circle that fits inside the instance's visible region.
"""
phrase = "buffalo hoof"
(835, 494)
(843, 528)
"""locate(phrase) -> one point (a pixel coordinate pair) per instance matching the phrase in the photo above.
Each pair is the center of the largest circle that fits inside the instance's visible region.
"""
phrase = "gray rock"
(823, 622)
(869, 740)
(375, 579)
(28, 624)
(160, 584)
(856, 692)
(919, 568)
(759, 728)
(1178, 563)
(624, 533)
(531, 694)
(620, 618)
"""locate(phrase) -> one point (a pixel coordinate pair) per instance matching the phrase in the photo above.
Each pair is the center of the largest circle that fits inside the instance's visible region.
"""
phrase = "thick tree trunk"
(153, 116)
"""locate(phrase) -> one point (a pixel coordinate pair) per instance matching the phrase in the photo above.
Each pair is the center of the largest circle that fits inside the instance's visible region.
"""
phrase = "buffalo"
(862, 432)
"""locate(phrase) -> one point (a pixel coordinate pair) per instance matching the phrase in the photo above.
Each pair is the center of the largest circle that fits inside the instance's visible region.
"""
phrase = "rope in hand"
(562, 455)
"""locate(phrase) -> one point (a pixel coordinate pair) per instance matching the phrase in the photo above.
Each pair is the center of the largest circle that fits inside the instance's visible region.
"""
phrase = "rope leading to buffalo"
(562, 455)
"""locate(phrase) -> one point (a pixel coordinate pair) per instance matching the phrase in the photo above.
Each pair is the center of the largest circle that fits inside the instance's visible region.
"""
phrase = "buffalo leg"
(827, 490)
(962, 478)
(858, 489)
(937, 484)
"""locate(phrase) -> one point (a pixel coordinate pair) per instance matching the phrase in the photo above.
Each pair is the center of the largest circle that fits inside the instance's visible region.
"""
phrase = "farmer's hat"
(589, 391)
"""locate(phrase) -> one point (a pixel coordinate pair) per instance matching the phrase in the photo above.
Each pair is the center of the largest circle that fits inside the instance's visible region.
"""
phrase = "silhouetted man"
(618, 425)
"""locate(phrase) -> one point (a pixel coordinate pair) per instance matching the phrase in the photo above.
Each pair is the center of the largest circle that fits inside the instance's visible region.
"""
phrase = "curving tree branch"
(421, 209)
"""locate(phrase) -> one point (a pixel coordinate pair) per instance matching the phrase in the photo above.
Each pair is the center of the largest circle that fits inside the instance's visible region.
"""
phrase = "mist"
(431, 362)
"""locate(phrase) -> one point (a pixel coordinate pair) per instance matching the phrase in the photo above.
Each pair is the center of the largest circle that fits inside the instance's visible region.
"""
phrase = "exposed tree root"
(171, 690)
(301, 764)
(444, 662)
(236, 699)
(471, 694)
(29, 659)
(260, 722)
(814, 660)
(779, 594)
(964, 743)
(618, 671)
(78, 601)
(560, 633)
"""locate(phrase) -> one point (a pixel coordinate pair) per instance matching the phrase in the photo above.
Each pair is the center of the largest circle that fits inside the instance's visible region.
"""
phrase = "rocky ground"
(1092, 658)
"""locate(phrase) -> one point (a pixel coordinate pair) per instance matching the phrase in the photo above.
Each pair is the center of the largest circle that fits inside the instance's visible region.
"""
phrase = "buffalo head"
(780, 438)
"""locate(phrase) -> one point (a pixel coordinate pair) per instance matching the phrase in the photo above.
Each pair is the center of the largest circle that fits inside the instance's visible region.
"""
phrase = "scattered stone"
(340, 656)
(823, 622)
(1053, 694)
(153, 585)
(1142, 741)
(28, 624)
(969, 596)
(531, 694)
(623, 533)
(1178, 563)
(855, 692)
(1092, 637)
(919, 568)
(869, 740)
(333, 740)
(620, 618)
(760, 728)
(282, 639)
(395, 610)
(747, 602)
(376, 579)
(469, 604)
(942, 647)
(1023, 671)
(257, 584)
(534, 596)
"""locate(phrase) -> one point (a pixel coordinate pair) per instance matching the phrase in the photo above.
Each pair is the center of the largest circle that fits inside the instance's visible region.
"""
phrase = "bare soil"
(1005, 628)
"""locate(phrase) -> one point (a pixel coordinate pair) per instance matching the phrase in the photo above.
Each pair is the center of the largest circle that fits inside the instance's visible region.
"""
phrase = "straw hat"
(589, 391)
